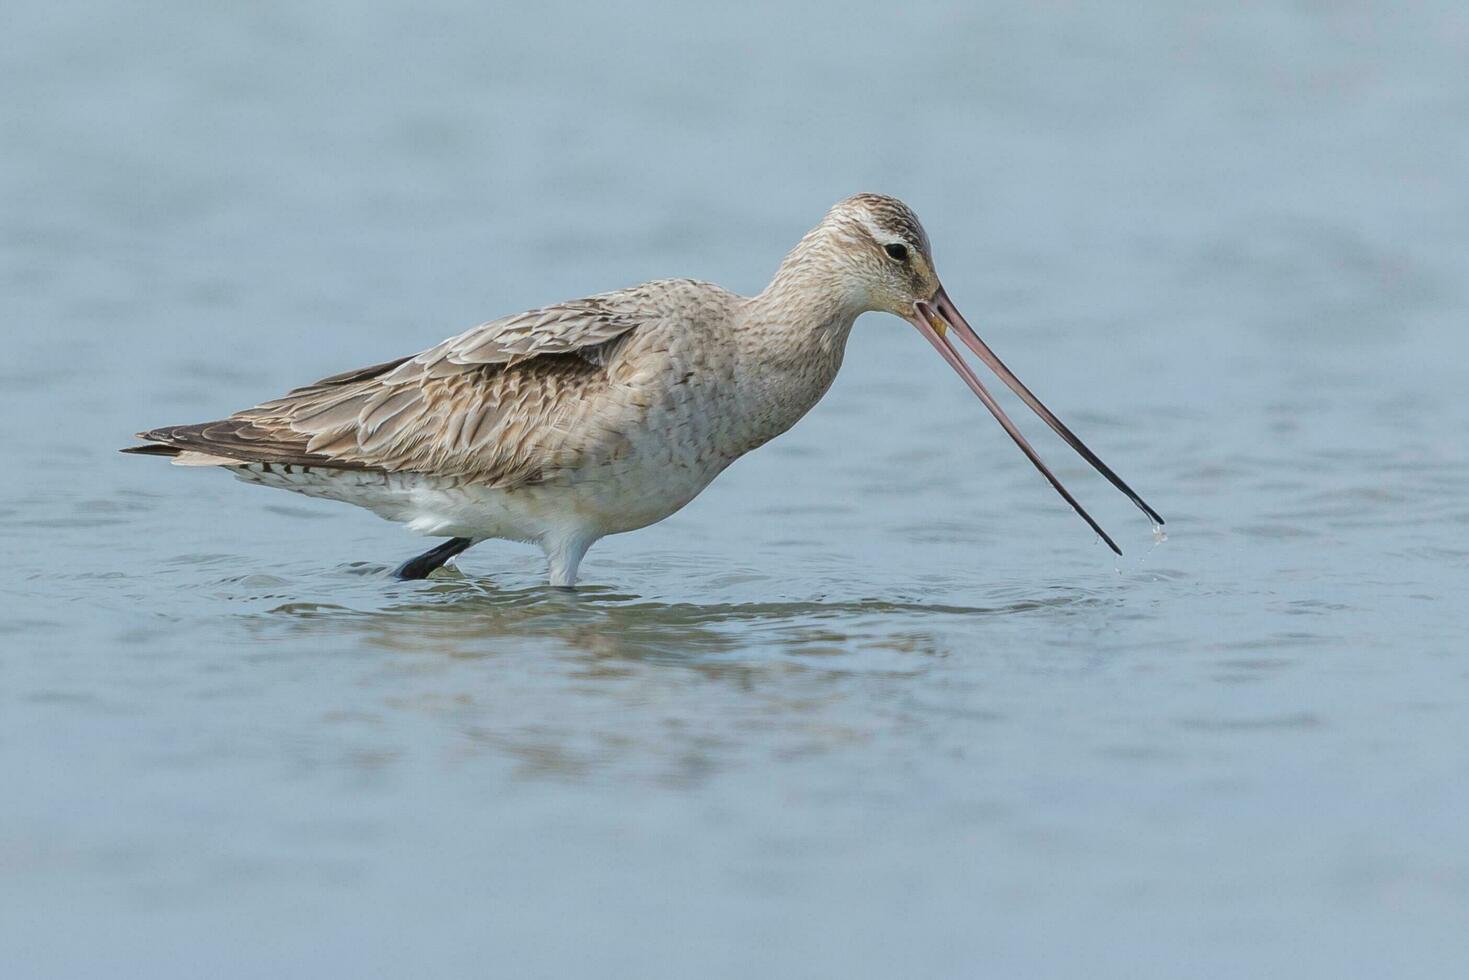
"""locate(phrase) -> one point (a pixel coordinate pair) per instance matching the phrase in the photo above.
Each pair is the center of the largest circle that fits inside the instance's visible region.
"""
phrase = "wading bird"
(562, 425)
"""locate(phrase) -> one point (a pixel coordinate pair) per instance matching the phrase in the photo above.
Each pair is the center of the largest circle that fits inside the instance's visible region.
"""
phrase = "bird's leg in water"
(420, 567)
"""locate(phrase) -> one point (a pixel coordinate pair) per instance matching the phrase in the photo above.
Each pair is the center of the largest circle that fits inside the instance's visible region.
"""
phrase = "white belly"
(622, 496)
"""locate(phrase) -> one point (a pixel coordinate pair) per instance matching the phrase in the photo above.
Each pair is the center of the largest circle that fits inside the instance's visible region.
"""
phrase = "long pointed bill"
(934, 320)
(955, 319)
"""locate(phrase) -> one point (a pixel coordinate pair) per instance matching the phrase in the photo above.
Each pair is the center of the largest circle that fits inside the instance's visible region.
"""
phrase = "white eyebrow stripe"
(879, 235)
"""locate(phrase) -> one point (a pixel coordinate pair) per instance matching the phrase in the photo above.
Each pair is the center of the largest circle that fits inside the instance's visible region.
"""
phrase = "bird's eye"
(897, 250)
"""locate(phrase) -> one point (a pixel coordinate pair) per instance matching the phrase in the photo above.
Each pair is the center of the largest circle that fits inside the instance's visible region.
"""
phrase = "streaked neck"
(809, 307)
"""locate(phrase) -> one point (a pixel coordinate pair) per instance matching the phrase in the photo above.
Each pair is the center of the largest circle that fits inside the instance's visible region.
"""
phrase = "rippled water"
(876, 704)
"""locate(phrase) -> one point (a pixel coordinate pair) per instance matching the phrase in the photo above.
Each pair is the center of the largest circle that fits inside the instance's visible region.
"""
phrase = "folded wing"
(502, 404)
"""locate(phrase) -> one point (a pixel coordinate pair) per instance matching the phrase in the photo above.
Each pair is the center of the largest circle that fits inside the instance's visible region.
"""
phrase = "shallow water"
(876, 704)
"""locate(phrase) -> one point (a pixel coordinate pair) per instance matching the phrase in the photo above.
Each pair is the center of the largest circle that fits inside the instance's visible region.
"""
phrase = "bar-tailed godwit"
(562, 425)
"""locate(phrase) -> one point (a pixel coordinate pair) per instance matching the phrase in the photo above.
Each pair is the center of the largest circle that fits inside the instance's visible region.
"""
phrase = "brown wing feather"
(502, 404)
(239, 439)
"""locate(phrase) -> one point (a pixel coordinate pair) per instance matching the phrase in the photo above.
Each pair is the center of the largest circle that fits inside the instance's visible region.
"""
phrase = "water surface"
(876, 704)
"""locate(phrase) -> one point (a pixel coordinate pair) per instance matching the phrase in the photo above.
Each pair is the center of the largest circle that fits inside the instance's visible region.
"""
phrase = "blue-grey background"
(876, 704)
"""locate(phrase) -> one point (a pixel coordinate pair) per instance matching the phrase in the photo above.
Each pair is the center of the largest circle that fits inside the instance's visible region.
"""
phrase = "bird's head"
(883, 259)
(884, 253)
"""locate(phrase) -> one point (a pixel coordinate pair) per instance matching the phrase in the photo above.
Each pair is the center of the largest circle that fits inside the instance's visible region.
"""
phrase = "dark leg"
(420, 567)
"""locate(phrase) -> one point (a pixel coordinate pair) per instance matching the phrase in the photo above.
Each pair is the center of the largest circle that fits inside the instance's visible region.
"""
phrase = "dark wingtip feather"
(152, 449)
(235, 438)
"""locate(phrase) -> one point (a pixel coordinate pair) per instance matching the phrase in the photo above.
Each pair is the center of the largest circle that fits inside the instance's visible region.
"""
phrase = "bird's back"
(529, 398)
